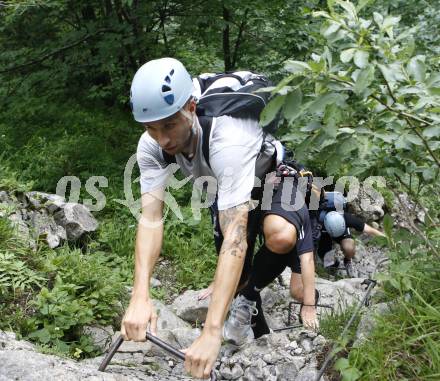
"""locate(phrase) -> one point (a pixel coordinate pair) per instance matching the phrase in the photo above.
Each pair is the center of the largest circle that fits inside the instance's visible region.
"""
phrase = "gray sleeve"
(151, 164)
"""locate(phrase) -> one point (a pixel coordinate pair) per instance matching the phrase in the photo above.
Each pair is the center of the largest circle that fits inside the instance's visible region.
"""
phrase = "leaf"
(329, 28)
(292, 105)
(364, 79)
(361, 58)
(362, 4)
(431, 132)
(416, 68)
(271, 110)
(392, 73)
(414, 139)
(347, 55)
(321, 14)
(312, 126)
(390, 21)
(342, 364)
(349, 9)
(296, 66)
(378, 19)
(350, 374)
(346, 130)
(319, 104)
(433, 80)
(429, 174)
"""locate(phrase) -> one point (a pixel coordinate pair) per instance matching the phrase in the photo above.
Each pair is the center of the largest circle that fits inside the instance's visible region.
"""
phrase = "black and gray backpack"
(234, 94)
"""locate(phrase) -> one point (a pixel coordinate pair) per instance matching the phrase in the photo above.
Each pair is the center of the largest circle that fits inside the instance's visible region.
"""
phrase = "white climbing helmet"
(334, 223)
(160, 88)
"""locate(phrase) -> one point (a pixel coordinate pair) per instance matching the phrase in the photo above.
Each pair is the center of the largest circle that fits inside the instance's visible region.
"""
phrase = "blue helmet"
(160, 88)
(334, 224)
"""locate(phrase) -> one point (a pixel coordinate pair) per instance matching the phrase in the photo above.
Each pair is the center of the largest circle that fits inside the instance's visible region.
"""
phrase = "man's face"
(172, 133)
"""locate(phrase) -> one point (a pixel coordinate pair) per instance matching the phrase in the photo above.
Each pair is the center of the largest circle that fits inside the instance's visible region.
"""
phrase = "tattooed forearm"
(233, 223)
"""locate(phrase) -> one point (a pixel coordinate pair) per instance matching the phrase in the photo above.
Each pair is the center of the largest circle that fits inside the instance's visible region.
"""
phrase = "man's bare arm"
(372, 231)
(140, 311)
(308, 311)
(233, 223)
(201, 356)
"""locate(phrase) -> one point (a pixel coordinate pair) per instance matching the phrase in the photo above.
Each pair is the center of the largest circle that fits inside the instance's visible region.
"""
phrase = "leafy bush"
(366, 102)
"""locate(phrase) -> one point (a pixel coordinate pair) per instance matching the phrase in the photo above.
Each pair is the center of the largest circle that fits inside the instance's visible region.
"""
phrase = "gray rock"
(19, 361)
(307, 374)
(44, 226)
(76, 219)
(51, 202)
(4, 197)
(255, 372)
(368, 322)
(101, 336)
(411, 212)
(319, 341)
(167, 319)
(367, 207)
(189, 308)
(231, 373)
(307, 345)
(289, 370)
(154, 283)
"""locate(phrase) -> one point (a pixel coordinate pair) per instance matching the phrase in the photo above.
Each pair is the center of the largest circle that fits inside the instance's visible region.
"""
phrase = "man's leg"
(348, 247)
(270, 261)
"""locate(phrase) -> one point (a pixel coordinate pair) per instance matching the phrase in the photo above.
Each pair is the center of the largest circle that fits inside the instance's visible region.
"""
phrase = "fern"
(16, 275)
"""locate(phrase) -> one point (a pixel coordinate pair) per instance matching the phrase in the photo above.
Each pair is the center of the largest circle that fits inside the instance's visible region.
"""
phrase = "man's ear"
(192, 106)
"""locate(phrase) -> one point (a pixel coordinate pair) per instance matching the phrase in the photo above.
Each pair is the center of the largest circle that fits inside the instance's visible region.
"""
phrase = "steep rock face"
(39, 215)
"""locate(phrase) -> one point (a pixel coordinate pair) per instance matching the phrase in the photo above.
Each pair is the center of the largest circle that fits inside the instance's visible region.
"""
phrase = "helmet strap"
(190, 142)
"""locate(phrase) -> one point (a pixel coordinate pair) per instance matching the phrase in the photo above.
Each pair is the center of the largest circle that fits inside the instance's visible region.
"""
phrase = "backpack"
(333, 201)
(231, 94)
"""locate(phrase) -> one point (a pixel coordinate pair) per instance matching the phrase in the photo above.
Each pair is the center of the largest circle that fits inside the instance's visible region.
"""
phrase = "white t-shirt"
(233, 149)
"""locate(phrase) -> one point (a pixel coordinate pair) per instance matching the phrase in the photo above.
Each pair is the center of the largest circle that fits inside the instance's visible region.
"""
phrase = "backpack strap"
(206, 124)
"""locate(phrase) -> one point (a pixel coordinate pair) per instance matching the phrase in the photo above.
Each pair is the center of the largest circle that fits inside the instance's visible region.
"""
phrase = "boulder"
(188, 307)
(44, 226)
(76, 219)
(367, 207)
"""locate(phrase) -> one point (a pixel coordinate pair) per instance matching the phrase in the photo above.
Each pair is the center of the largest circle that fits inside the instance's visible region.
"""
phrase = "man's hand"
(308, 316)
(140, 313)
(201, 355)
(206, 292)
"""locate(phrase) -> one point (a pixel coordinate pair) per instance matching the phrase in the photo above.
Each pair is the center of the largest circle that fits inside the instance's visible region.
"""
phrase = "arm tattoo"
(233, 223)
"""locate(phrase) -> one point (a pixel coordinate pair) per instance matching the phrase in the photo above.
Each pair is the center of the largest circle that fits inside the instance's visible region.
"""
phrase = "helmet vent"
(165, 88)
(169, 99)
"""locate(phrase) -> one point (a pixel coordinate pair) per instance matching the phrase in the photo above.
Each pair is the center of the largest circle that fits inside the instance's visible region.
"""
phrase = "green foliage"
(404, 344)
(194, 259)
(16, 276)
(366, 102)
(10, 180)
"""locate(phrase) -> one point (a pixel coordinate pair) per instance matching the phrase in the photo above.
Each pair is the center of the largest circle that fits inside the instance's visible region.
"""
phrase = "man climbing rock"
(231, 149)
(335, 227)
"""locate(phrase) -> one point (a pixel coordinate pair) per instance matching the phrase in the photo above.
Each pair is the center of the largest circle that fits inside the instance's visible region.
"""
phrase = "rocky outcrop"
(43, 216)
(366, 206)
